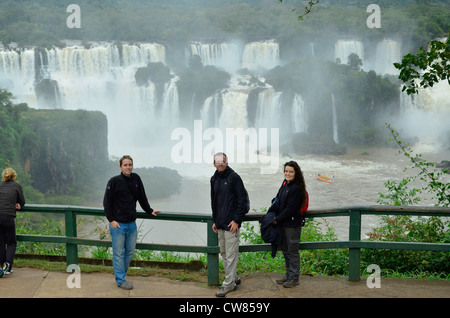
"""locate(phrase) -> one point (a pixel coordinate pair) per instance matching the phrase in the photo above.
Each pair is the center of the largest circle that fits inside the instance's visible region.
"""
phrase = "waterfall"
(211, 110)
(99, 78)
(265, 54)
(343, 48)
(170, 109)
(17, 73)
(424, 116)
(335, 125)
(388, 52)
(221, 55)
(254, 56)
(299, 116)
(268, 112)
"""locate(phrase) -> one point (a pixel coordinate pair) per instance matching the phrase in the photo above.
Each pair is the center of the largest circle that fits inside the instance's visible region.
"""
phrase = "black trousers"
(289, 247)
(8, 241)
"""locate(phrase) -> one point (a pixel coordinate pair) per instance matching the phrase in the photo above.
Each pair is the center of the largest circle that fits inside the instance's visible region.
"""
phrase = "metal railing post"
(354, 257)
(71, 232)
(212, 257)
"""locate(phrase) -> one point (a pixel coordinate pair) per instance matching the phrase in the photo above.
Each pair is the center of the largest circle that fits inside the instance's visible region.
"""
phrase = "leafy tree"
(425, 68)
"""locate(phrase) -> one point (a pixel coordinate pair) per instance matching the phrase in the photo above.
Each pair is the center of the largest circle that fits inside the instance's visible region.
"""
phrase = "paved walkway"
(35, 283)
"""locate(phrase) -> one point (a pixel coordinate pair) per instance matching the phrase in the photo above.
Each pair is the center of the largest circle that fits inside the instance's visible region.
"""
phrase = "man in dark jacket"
(119, 203)
(229, 203)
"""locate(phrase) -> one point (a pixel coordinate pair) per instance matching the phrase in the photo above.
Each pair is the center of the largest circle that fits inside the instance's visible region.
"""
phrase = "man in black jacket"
(119, 202)
(229, 203)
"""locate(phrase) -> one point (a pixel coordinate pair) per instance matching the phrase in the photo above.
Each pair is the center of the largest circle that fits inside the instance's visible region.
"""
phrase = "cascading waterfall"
(230, 55)
(387, 53)
(299, 115)
(335, 124)
(101, 78)
(425, 115)
(222, 55)
(17, 73)
(258, 55)
(343, 48)
(268, 112)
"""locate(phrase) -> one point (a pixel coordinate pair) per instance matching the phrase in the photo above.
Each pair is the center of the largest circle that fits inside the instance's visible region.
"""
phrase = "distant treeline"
(174, 22)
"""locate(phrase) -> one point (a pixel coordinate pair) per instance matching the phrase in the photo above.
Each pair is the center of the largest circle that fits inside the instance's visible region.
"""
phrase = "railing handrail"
(354, 244)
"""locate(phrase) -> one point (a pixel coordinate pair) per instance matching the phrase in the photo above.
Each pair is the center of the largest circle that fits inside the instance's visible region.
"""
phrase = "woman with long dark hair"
(291, 197)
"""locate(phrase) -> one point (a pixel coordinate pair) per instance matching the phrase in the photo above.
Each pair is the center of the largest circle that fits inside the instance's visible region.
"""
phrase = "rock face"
(60, 148)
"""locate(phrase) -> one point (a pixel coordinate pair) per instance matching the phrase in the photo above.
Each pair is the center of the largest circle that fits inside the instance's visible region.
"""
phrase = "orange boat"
(324, 178)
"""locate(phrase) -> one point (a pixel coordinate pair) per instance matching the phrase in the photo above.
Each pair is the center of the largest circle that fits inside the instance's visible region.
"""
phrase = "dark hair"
(125, 157)
(299, 179)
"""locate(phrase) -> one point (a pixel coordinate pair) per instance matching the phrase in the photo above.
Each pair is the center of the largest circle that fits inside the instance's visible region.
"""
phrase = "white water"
(358, 177)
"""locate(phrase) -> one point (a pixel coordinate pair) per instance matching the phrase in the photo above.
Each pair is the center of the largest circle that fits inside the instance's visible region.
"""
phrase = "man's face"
(220, 163)
(127, 167)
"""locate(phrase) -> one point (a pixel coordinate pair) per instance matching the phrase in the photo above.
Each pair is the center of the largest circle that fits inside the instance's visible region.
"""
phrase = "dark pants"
(289, 247)
(8, 241)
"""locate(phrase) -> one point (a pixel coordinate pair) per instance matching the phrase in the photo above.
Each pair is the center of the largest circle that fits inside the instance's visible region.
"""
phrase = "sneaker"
(291, 283)
(225, 290)
(126, 285)
(281, 281)
(7, 268)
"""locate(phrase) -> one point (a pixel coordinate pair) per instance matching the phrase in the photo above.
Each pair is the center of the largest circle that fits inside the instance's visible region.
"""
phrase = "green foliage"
(425, 68)
(31, 223)
(43, 23)
(408, 229)
(398, 194)
(431, 177)
(323, 262)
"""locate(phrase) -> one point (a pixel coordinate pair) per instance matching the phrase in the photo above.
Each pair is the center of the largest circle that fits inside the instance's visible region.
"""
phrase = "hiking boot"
(281, 281)
(225, 290)
(291, 283)
(126, 285)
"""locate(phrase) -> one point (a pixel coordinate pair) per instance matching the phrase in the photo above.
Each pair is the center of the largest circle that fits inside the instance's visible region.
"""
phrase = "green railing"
(354, 244)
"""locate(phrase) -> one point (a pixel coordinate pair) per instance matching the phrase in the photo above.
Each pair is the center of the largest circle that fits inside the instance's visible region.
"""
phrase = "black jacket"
(10, 193)
(120, 198)
(229, 199)
(271, 233)
(287, 205)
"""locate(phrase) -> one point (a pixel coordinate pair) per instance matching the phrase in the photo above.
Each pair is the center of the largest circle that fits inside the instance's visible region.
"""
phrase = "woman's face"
(289, 173)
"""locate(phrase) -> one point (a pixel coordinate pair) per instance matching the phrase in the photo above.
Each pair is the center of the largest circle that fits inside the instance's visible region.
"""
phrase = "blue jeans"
(123, 244)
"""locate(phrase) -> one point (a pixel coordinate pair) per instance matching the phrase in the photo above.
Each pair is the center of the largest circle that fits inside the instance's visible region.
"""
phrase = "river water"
(358, 178)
